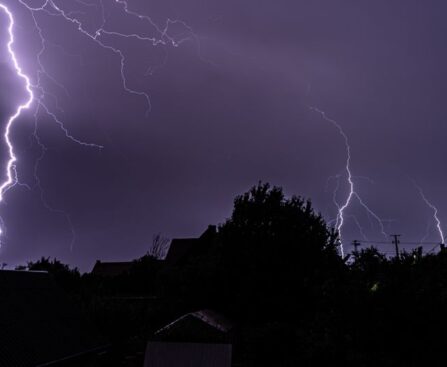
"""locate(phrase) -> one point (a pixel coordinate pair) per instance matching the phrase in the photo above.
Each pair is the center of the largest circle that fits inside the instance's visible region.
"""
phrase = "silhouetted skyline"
(224, 116)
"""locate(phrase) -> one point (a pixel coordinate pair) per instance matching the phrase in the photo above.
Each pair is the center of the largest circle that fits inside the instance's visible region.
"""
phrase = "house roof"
(111, 269)
(38, 323)
(199, 326)
(179, 249)
(214, 319)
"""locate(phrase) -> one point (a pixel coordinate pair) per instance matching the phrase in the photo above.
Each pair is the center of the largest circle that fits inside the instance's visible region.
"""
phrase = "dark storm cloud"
(232, 113)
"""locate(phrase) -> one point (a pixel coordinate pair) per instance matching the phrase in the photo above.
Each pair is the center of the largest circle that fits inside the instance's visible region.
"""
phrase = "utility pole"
(396, 243)
(356, 244)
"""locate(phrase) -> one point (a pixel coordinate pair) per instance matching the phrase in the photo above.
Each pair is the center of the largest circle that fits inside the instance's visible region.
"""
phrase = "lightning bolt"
(11, 173)
(435, 212)
(50, 8)
(38, 184)
(40, 97)
(353, 194)
(337, 205)
(11, 178)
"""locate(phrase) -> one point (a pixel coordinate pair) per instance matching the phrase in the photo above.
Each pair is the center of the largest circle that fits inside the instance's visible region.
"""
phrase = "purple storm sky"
(230, 107)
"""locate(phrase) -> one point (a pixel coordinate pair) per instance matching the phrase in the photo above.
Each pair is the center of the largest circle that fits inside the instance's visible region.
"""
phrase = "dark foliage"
(67, 278)
(273, 268)
(275, 253)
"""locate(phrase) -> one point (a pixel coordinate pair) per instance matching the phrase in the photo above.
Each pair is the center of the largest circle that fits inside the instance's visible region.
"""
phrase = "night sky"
(229, 107)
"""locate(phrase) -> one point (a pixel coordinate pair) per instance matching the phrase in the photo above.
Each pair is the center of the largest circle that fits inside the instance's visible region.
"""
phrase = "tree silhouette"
(271, 245)
(273, 268)
(160, 245)
(67, 278)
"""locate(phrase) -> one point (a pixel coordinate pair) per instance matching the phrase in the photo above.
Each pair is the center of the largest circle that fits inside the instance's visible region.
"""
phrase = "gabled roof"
(179, 249)
(38, 324)
(199, 326)
(111, 269)
(214, 319)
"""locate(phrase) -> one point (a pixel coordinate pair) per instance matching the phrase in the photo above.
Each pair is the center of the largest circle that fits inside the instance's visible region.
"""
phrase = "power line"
(402, 243)
(396, 242)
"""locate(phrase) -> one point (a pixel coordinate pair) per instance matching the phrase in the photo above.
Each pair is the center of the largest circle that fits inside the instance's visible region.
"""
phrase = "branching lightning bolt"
(435, 212)
(340, 219)
(40, 97)
(338, 206)
(11, 169)
(50, 8)
(11, 173)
